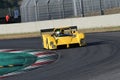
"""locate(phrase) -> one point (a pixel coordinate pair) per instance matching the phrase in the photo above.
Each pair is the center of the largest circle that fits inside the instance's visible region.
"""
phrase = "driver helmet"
(57, 32)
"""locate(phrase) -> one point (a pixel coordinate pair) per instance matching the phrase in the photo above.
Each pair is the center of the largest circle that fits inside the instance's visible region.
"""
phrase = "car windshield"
(62, 32)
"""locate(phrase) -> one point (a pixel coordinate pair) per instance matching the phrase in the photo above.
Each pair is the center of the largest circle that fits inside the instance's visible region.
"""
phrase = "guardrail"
(82, 23)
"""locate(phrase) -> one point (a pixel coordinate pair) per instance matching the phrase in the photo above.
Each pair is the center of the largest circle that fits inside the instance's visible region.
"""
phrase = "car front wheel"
(82, 42)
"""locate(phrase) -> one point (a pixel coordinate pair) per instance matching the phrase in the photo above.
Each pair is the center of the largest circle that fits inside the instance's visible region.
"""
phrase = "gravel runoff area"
(37, 34)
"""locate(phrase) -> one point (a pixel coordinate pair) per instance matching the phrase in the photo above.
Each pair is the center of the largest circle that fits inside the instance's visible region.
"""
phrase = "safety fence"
(72, 8)
(59, 9)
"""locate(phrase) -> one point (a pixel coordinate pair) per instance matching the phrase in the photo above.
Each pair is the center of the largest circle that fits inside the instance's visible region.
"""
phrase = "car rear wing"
(52, 29)
(73, 27)
(70, 27)
(47, 30)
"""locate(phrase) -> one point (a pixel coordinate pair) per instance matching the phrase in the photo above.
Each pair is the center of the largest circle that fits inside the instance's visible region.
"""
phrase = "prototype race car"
(65, 36)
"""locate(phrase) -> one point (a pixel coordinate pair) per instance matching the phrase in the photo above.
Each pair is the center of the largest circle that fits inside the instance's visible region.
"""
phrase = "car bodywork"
(70, 36)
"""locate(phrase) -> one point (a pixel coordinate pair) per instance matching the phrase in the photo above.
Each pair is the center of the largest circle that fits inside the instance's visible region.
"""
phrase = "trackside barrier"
(82, 23)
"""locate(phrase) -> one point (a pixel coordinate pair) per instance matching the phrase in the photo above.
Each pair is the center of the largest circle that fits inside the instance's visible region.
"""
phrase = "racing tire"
(82, 42)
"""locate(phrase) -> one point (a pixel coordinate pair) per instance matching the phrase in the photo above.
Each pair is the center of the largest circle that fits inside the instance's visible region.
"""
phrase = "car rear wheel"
(42, 43)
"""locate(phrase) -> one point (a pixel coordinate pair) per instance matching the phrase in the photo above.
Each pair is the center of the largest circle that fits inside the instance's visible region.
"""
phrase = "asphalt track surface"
(99, 60)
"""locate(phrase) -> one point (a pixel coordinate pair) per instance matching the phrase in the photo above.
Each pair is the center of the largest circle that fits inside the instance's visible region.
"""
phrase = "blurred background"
(8, 7)
(38, 10)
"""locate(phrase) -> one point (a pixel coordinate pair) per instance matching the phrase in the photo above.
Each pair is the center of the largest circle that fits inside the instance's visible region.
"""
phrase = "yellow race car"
(65, 36)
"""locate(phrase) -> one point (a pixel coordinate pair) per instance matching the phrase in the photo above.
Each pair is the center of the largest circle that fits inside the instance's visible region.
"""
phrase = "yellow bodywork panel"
(67, 40)
(52, 41)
